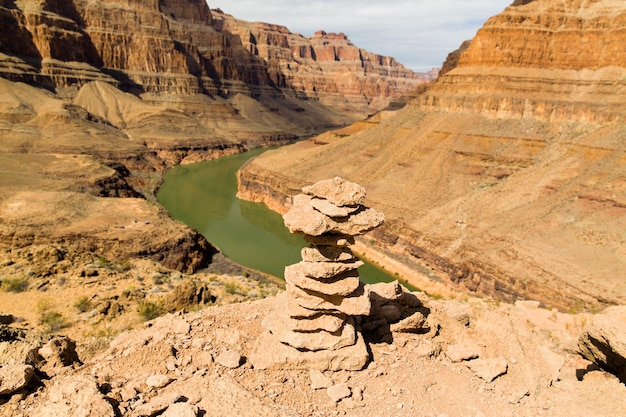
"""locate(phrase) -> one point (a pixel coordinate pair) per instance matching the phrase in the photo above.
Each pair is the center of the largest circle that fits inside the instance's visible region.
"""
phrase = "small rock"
(338, 392)
(458, 353)
(427, 349)
(180, 410)
(181, 327)
(488, 369)
(203, 359)
(411, 324)
(15, 377)
(156, 405)
(319, 380)
(158, 381)
(6, 318)
(229, 359)
(357, 394)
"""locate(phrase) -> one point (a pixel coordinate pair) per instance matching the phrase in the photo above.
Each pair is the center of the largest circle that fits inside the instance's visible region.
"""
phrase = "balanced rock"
(337, 191)
(312, 325)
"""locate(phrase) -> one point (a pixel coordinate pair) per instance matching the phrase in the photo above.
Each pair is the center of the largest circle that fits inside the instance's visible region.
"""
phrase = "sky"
(418, 33)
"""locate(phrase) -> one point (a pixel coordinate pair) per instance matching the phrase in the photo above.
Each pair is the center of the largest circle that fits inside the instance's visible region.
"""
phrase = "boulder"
(75, 395)
(58, 353)
(15, 377)
(603, 340)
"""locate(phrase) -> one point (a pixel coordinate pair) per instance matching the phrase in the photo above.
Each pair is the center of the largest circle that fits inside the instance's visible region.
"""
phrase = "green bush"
(149, 310)
(83, 304)
(53, 320)
(231, 288)
(17, 284)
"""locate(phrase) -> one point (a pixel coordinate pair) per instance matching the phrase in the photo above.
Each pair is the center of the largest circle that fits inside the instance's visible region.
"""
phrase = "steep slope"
(507, 177)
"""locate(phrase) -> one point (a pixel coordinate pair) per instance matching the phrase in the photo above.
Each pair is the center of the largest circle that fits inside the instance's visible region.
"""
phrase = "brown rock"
(326, 253)
(229, 359)
(71, 396)
(59, 352)
(330, 240)
(303, 218)
(181, 410)
(338, 392)
(343, 284)
(461, 352)
(357, 304)
(331, 210)
(315, 321)
(603, 340)
(489, 368)
(411, 324)
(325, 271)
(15, 377)
(158, 381)
(314, 341)
(337, 191)
(319, 380)
(269, 353)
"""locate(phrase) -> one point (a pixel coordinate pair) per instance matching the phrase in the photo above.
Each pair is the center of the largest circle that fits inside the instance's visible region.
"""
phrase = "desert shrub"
(53, 320)
(231, 288)
(149, 310)
(83, 304)
(123, 265)
(102, 262)
(17, 284)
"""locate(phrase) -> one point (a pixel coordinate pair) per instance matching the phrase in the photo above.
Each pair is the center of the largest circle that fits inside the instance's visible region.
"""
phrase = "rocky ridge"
(478, 359)
(505, 177)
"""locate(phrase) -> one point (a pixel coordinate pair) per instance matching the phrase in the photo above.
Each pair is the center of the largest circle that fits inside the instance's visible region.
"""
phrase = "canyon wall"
(181, 48)
(506, 177)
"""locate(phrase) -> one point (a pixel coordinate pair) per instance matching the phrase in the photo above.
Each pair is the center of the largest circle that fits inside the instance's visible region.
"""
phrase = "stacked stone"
(314, 317)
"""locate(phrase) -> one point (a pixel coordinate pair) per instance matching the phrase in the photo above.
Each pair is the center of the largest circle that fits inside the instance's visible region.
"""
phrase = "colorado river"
(203, 196)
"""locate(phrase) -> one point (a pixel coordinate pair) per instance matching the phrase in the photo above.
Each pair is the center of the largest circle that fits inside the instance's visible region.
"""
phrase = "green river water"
(203, 196)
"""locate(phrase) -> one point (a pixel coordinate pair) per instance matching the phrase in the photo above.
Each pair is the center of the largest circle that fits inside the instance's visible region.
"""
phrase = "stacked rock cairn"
(312, 325)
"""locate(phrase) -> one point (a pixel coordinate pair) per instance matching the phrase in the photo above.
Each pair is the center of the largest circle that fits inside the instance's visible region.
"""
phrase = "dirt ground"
(525, 364)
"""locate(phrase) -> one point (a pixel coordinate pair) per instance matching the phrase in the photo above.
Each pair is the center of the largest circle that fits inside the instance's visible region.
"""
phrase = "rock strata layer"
(313, 322)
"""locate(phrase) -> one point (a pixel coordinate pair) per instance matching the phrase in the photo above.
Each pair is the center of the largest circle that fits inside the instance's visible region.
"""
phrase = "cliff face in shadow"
(506, 177)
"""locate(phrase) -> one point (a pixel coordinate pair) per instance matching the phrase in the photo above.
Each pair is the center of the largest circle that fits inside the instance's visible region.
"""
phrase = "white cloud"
(418, 33)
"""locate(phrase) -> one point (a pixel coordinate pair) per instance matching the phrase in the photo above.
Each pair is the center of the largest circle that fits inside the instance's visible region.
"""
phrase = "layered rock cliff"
(180, 48)
(507, 176)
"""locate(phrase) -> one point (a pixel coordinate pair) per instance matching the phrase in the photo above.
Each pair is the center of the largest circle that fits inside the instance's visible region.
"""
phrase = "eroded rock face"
(312, 325)
(181, 47)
